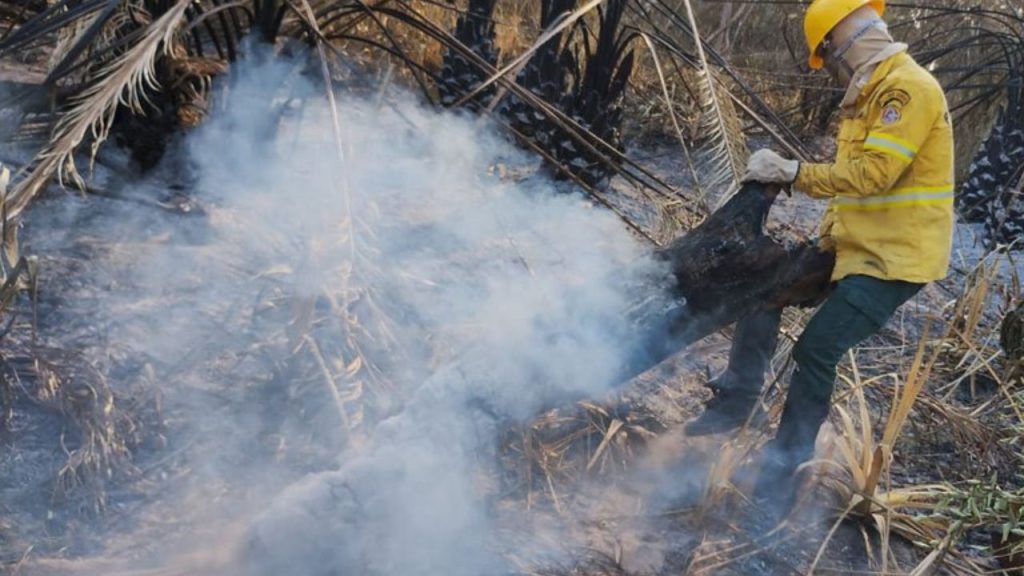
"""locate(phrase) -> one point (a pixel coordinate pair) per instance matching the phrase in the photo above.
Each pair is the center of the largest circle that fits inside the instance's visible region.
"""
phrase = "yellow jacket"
(891, 214)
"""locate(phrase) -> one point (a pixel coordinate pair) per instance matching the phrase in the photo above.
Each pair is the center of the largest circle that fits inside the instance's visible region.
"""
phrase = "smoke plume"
(478, 291)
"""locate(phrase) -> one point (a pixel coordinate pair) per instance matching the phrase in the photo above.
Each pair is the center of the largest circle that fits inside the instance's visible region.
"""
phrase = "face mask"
(834, 57)
(836, 66)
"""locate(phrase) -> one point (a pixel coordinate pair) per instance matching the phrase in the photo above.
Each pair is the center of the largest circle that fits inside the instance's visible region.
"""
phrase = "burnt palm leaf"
(109, 70)
(595, 99)
(992, 192)
(267, 17)
(998, 161)
(475, 30)
(546, 75)
(586, 85)
(647, 184)
(38, 28)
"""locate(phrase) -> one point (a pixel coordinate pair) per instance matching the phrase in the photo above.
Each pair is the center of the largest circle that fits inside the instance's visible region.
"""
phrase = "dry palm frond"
(920, 513)
(16, 272)
(917, 377)
(725, 143)
(91, 115)
(720, 123)
(972, 343)
(672, 112)
(865, 461)
(8, 230)
(719, 480)
(566, 445)
(98, 444)
(915, 513)
(912, 512)
(69, 37)
(971, 304)
(193, 82)
(660, 19)
(354, 363)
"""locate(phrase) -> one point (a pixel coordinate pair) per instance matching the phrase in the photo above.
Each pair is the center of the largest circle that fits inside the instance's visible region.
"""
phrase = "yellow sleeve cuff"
(809, 177)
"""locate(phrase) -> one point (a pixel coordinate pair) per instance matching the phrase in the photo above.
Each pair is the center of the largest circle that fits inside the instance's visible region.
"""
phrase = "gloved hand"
(769, 168)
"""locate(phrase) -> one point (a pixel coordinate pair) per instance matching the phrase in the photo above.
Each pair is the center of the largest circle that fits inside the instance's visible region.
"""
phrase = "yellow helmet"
(823, 15)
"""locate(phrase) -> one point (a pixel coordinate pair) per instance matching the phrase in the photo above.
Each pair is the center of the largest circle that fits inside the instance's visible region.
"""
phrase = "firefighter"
(889, 221)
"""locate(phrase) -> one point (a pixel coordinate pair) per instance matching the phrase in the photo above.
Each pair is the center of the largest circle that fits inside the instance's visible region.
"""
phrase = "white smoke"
(512, 293)
(524, 288)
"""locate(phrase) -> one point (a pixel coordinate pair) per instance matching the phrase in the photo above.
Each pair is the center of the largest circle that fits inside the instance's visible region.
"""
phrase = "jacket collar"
(867, 78)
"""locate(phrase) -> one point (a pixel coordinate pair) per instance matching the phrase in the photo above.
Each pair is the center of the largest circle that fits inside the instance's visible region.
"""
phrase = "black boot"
(777, 472)
(777, 483)
(737, 389)
(727, 411)
(802, 417)
(726, 381)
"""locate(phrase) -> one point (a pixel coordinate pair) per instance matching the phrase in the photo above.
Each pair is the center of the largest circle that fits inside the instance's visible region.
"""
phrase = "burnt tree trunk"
(728, 268)
(724, 270)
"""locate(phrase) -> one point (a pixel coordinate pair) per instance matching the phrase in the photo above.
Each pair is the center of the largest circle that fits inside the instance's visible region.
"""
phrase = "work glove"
(769, 168)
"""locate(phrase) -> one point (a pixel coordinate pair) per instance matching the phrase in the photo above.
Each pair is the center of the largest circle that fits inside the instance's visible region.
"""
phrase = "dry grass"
(101, 433)
(563, 447)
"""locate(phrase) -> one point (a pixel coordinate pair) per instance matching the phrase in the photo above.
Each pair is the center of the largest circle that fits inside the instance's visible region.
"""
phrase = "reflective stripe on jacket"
(891, 214)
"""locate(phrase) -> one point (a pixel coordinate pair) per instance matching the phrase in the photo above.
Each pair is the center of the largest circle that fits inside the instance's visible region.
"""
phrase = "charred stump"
(728, 268)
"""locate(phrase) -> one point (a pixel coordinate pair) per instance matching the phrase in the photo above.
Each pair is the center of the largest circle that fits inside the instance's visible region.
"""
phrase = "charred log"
(724, 270)
(728, 268)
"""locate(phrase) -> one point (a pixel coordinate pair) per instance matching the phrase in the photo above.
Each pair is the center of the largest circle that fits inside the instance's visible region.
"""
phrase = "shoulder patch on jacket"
(892, 103)
(890, 115)
(894, 98)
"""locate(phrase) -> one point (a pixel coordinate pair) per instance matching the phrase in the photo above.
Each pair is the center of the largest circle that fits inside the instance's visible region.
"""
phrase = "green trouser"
(856, 308)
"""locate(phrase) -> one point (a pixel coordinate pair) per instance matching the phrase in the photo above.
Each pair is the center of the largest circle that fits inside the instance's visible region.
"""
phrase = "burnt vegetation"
(577, 83)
